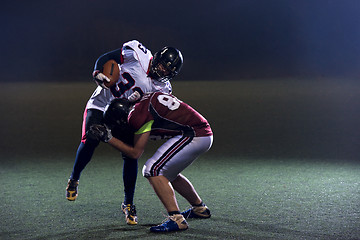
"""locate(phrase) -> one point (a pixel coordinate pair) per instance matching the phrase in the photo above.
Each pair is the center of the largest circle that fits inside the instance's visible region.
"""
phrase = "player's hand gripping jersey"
(164, 114)
(134, 68)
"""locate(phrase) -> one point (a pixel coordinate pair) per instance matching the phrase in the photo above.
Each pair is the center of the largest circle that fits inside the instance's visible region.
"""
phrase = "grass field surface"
(284, 164)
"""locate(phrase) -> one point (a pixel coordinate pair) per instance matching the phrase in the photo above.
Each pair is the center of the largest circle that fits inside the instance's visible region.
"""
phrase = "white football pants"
(175, 155)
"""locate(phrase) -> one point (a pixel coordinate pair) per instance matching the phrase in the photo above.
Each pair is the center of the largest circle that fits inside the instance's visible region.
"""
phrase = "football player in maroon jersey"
(160, 114)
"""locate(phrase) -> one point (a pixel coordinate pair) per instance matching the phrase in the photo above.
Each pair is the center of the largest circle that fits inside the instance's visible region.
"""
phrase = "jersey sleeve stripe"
(145, 128)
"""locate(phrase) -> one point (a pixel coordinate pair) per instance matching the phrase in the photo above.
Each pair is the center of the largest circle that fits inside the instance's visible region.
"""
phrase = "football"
(112, 71)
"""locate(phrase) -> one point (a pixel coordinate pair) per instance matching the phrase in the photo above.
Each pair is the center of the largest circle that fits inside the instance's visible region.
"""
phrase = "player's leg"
(83, 156)
(185, 188)
(130, 169)
(165, 192)
(164, 166)
(84, 153)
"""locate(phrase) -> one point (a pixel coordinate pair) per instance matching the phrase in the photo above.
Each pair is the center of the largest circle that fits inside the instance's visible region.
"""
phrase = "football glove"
(134, 96)
(100, 79)
(99, 132)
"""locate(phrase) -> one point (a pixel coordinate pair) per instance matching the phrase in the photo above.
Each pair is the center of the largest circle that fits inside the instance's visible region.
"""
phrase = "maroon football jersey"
(170, 116)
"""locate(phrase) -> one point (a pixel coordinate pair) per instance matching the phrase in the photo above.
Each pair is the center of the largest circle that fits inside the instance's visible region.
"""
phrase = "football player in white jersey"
(140, 73)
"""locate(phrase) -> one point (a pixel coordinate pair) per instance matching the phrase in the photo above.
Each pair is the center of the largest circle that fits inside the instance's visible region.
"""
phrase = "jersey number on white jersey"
(124, 87)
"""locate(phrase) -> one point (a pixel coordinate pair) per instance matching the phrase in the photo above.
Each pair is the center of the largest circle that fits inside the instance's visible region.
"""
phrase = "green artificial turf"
(249, 199)
(284, 164)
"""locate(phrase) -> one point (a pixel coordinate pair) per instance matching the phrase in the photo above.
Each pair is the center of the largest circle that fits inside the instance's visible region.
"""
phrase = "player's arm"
(141, 138)
(102, 133)
(113, 55)
(140, 141)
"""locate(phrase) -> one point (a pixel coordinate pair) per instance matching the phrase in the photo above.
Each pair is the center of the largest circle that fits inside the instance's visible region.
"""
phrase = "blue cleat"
(197, 212)
(175, 222)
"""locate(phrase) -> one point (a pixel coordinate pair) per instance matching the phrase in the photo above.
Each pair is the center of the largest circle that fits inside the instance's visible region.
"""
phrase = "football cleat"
(175, 222)
(130, 213)
(72, 189)
(197, 212)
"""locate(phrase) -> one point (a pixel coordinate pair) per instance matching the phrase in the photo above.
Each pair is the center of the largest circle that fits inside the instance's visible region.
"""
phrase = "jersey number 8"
(171, 102)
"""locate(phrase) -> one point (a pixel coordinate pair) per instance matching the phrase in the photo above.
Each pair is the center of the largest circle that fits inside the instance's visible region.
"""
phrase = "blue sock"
(83, 157)
(130, 170)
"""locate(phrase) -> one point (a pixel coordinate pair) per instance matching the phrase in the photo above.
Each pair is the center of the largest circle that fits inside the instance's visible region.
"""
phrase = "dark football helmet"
(166, 64)
(116, 113)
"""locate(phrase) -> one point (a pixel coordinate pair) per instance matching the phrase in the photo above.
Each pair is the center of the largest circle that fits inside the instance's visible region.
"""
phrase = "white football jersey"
(133, 76)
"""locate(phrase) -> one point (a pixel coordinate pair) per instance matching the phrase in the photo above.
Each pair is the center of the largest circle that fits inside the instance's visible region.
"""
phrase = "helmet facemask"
(166, 64)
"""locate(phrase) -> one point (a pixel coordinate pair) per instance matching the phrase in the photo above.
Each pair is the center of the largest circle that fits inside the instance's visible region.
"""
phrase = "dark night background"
(237, 39)
(295, 66)
(278, 81)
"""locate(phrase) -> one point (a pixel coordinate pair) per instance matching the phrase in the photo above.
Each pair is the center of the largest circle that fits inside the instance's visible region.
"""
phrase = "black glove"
(99, 132)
